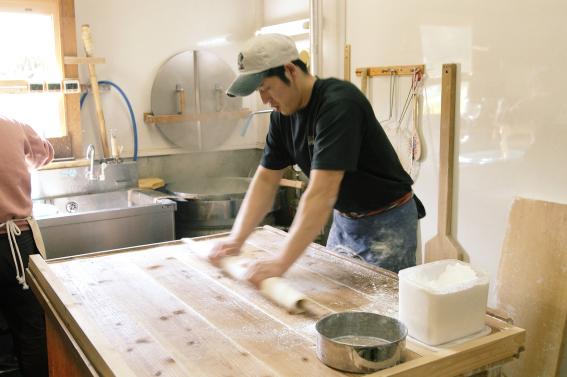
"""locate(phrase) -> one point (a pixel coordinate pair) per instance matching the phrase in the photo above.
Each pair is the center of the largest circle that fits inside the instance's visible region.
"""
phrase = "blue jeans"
(387, 240)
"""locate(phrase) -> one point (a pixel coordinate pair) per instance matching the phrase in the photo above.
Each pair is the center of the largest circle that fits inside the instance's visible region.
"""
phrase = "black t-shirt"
(338, 130)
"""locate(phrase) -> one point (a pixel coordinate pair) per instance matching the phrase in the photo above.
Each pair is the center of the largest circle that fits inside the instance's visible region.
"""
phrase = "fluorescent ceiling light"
(291, 28)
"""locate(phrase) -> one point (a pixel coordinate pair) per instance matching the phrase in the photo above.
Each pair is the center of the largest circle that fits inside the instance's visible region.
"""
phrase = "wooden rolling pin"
(275, 289)
(88, 43)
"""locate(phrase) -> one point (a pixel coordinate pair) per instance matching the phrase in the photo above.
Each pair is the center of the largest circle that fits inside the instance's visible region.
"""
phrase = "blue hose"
(134, 127)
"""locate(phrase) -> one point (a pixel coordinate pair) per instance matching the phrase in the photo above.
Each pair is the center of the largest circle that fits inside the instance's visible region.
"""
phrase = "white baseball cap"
(261, 53)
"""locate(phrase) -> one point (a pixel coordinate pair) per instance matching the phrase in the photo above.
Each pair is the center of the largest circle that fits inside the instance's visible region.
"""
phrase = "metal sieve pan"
(360, 342)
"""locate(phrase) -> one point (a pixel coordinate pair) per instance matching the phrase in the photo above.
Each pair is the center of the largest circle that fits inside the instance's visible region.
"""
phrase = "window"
(28, 35)
(33, 41)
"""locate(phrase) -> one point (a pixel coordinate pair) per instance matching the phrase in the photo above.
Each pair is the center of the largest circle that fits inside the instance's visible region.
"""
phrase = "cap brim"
(245, 84)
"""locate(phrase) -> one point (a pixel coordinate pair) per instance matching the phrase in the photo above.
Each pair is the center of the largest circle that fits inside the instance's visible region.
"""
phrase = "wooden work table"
(163, 310)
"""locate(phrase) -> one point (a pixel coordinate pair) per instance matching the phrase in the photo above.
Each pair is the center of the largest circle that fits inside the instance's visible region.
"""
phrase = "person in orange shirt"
(21, 149)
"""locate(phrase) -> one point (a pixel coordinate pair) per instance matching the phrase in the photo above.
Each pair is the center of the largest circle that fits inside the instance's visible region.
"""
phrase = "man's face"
(284, 98)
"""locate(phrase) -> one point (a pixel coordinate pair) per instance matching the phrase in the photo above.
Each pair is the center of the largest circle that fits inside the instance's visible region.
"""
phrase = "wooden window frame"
(70, 145)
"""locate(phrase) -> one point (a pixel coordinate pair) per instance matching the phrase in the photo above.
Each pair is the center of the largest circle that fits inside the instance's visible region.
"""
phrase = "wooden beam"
(65, 164)
(347, 63)
(83, 60)
(13, 86)
(150, 118)
(69, 48)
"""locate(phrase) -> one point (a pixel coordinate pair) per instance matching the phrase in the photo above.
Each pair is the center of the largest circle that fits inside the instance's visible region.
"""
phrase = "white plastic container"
(442, 301)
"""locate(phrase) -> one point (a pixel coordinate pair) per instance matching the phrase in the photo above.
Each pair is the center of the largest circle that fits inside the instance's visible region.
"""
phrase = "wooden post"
(69, 48)
(347, 63)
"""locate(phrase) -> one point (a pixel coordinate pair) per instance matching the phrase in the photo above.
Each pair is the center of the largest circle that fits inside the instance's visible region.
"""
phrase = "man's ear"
(290, 71)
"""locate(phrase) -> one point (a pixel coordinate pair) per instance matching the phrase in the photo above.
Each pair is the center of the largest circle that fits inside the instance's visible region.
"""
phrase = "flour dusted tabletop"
(163, 310)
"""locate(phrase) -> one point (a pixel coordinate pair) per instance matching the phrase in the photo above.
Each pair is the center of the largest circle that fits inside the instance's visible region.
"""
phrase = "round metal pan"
(360, 342)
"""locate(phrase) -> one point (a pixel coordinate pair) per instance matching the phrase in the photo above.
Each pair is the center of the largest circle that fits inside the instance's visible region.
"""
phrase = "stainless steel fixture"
(210, 205)
(86, 223)
(90, 158)
(90, 173)
(248, 119)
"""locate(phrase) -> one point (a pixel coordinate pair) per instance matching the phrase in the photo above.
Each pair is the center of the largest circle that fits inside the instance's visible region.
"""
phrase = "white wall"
(277, 11)
(512, 124)
(137, 37)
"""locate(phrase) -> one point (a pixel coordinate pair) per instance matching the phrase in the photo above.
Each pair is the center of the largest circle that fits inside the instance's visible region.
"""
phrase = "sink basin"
(91, 202)
(87, 223)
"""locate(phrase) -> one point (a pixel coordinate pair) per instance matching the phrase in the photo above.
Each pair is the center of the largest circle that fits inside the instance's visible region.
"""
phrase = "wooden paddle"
(443, 245)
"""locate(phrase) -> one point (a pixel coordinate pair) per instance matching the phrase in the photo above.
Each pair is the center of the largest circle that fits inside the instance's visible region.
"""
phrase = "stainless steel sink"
(82, 224)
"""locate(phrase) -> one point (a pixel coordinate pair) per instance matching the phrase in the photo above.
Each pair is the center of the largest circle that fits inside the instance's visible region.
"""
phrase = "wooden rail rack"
(400, 70)
(392, 70)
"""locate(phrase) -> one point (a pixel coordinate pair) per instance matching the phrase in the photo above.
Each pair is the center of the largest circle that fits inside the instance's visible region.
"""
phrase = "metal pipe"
(248, 119)
(197, 98)
(314, 35)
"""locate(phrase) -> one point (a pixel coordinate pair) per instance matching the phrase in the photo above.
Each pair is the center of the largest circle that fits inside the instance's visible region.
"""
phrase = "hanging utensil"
(391, 99)
(416, 142)
(364, 82)
(407, 102)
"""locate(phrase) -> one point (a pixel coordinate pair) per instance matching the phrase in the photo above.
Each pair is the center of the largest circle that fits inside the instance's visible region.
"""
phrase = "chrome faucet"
(90, 157)
(91, 172)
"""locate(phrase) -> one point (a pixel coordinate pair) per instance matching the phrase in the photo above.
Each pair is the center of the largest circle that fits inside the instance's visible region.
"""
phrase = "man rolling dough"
(328, 128)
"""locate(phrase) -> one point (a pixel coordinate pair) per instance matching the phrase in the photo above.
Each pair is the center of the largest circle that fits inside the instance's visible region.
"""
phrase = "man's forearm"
(313, 213)
(257, 203)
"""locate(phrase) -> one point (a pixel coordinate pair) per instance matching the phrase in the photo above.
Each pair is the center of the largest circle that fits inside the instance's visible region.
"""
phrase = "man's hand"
(222, 249)
(266, 268)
